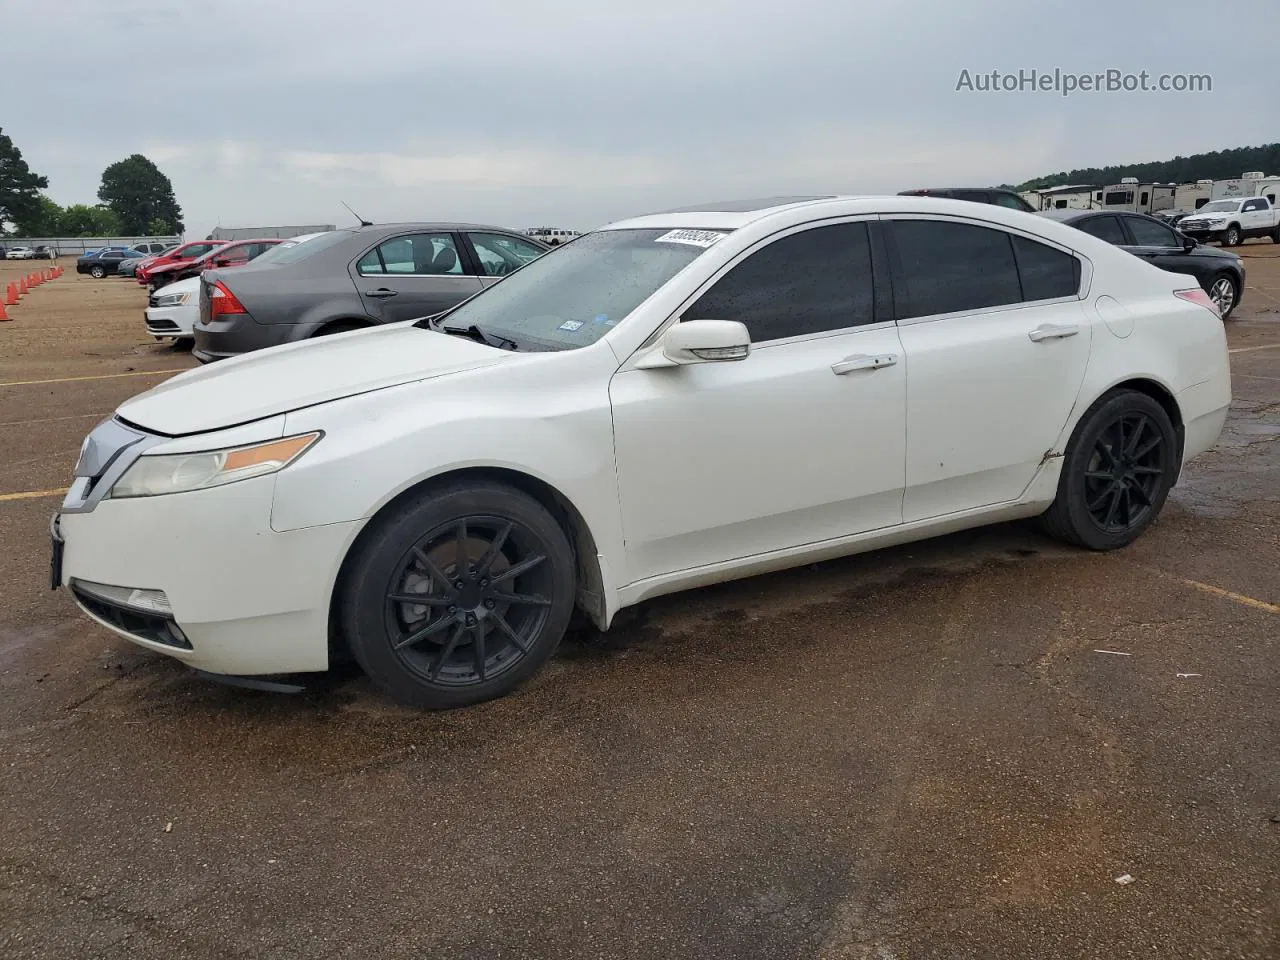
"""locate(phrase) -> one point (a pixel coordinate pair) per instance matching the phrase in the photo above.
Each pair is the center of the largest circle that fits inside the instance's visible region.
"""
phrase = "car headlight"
(172, 299)
(151, 476)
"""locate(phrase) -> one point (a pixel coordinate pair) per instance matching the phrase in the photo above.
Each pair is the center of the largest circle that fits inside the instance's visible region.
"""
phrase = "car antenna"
(363, 221)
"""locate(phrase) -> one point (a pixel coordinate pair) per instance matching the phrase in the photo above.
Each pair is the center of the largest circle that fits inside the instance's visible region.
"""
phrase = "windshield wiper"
(475, 333)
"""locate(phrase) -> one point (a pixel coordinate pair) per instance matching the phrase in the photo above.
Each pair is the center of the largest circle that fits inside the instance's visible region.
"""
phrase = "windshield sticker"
(571, 325)
(693, 238)
(601, 318)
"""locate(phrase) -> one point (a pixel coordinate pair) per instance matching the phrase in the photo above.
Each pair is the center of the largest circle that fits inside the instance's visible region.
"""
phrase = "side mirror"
(1189, 243)
(698, 341)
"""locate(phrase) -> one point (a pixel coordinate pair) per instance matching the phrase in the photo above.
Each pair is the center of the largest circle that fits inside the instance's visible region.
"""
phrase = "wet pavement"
(918, 753)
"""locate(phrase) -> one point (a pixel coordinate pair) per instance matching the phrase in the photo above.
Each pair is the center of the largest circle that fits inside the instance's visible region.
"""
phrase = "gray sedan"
(346, 279)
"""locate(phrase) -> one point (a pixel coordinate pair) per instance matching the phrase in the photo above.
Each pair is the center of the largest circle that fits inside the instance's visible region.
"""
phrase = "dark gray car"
(345, 279)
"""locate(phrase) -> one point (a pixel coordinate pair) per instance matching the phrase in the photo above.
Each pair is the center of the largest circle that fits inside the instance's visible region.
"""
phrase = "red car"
(233, 254)
(183, 254)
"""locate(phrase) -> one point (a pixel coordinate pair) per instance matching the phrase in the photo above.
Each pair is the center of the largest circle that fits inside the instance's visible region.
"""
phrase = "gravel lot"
(911, 754)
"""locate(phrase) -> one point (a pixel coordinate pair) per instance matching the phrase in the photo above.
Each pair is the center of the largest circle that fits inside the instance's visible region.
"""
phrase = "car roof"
(443, 226)
(921, 190)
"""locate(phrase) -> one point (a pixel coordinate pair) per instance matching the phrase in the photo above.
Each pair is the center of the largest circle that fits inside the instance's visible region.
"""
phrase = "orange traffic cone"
(22, 286)
(35, 279)
(11, 296)
(3, 315)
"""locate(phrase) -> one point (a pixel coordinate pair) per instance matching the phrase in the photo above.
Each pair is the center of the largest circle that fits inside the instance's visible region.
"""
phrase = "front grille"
(144, 626)
(163, 325)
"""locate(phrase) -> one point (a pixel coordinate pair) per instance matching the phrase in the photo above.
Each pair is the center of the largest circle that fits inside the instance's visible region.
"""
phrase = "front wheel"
(1232, 237)
(1118, 469)
(97, 272)
(459, 596)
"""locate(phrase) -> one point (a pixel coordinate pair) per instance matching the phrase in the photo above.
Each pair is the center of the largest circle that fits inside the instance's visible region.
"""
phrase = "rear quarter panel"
(1144, 332)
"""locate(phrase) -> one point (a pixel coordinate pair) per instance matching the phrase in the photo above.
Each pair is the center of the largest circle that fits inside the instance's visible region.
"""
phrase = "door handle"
(380, 294)
(1053, 331)
(863, 361)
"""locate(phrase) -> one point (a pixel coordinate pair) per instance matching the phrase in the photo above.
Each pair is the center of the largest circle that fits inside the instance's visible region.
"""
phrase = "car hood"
(281, 379)
(1208, 216)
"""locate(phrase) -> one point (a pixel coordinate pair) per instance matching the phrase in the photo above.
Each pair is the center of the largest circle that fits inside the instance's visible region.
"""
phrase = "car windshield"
(1220, 206)
(571, 297)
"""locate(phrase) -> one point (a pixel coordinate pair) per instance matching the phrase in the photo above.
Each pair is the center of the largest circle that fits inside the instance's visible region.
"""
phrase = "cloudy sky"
(576, 112)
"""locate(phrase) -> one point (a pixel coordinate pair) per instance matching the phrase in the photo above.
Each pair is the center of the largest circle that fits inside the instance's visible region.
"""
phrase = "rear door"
(1157, 244)
(414, 275)
(996, 345)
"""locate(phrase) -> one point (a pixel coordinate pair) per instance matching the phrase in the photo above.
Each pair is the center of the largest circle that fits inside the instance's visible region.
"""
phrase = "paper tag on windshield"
(694, 238)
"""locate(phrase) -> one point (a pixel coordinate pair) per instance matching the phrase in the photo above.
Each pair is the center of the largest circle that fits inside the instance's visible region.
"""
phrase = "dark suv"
(346, 279)
(992, 195)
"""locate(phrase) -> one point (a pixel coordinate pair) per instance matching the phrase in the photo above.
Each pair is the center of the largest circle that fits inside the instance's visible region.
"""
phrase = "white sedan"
(667, 402)
(172, 311)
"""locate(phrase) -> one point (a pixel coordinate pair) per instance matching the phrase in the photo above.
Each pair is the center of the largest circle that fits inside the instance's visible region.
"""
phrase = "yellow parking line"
(103, 376)
(33, 494)
(1229, 595)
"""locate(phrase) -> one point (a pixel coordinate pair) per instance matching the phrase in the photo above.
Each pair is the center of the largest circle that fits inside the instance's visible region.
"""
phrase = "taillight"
(222, 300)
(1198, 296)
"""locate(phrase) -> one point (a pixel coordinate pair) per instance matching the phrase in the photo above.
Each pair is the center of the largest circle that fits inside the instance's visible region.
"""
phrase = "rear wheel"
(458, 597)
(344, 327)
(1118, 469)
(1224, 293)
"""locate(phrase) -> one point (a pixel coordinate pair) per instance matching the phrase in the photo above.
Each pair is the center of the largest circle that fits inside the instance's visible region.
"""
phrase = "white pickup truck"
(1233, 221)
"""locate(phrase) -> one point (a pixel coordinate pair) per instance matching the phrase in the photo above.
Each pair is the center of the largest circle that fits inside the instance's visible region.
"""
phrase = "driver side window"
(809, 282)
(500, 254)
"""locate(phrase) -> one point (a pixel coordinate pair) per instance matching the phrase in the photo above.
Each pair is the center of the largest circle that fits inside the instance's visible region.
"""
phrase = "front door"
(996, 344)
(412, 276)
(801, 442)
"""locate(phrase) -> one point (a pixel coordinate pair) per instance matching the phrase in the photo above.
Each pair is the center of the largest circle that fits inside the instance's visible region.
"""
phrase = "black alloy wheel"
(460, 597)
(1117, 472)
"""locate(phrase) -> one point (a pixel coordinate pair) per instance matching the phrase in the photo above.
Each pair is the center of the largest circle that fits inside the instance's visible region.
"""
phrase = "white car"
(670, 401)
(20, 253)
(172, 311)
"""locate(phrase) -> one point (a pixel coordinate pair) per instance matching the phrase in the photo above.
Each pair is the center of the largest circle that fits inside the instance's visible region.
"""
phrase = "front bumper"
(247, 600)
(171, 321)
(233, 334)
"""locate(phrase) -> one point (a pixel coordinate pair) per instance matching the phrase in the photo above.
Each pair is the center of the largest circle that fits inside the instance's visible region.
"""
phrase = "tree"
(82, 220)
(19, 187)
(138, 193)
(157, 228)
(43, 221)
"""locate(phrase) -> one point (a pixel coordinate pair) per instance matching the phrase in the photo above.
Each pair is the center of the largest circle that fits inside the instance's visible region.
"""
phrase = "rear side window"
(1104, 228)
(808, 282)
(949, 267)
(1046, 273)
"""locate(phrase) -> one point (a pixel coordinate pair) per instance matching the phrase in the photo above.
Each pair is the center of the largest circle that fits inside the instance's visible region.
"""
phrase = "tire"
(1091, 490)
(1224, 291)
(183, 343)
(414, 551)
(1232, 237)
(97, 271)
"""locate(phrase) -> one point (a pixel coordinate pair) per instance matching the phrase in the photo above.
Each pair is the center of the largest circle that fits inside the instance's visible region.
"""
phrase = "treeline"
(1219, 165)
(136, 200)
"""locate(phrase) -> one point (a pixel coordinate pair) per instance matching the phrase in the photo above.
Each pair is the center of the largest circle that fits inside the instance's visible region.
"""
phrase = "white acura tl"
(667, 402)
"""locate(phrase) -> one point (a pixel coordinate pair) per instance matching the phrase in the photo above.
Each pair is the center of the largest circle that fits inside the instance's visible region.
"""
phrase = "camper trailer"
(1068, 197)
(1133, 197)
(1254, 183)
